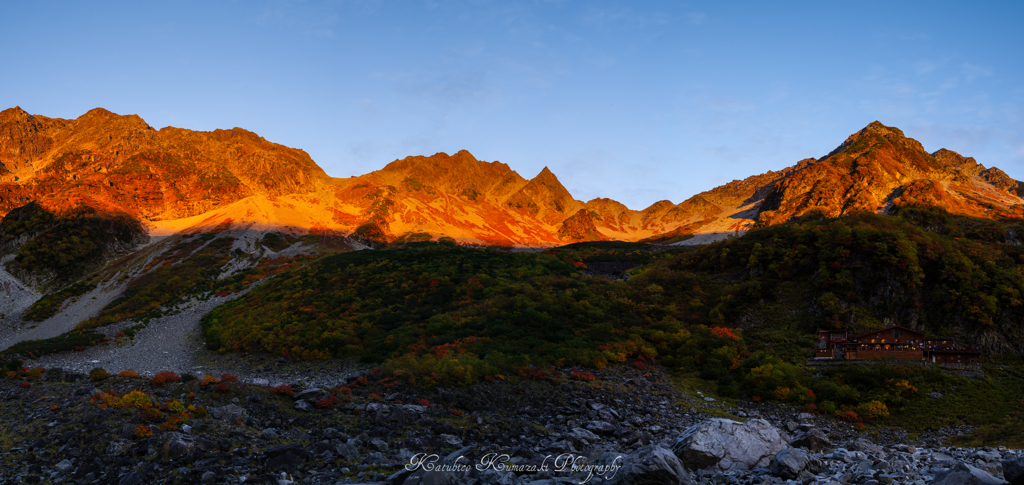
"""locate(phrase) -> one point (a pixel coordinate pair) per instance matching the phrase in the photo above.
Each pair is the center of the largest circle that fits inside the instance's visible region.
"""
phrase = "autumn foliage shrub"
(208, 379)
(151, 414)
(327, 402)
(127, 373)
(873, 410)
(136, 399)
(164, 378)
(846, 414)
(283, 389)
(535, 373)
(143, 431)
(578, 375)
(98, 374)
(34, 374)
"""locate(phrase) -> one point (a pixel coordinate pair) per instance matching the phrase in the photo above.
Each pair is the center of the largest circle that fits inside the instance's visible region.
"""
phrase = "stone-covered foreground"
(625, 427)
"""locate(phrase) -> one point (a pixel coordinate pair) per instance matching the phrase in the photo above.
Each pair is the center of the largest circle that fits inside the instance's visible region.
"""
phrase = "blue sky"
(636, 101)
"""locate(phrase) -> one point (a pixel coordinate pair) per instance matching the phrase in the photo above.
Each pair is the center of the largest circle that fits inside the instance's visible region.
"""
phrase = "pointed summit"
(879, 168)
(14, 114)
(545, 176)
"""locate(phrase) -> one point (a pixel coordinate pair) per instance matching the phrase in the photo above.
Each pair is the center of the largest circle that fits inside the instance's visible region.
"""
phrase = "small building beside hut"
(896, 342)
(831, 344)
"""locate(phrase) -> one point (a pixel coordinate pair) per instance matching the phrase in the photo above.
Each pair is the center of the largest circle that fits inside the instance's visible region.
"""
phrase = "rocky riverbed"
(626, 426)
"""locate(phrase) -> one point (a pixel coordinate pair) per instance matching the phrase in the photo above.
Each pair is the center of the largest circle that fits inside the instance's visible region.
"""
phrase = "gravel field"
(175, 343)
(14, 330)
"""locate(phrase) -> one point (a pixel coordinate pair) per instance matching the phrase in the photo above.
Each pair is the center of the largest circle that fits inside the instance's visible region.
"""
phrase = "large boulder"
(285, 457)
(862, 444)
(230, 413)
(650, 465)
(312, 395)
(814, 440)
(729, 445)
(964, 474)
(1013, 470)
(789, 463)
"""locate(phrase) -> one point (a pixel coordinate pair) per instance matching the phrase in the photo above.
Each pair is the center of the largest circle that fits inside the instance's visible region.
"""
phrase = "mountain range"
(133, 250)
(175, 180)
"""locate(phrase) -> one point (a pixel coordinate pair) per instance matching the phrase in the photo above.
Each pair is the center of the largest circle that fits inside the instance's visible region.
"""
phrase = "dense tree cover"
(510, 308)
(611, 251)
(740, 313)
(68, 244)
(867, 271)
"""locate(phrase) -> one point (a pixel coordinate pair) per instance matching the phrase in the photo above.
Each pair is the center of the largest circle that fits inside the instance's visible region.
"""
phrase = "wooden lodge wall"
(886, 354)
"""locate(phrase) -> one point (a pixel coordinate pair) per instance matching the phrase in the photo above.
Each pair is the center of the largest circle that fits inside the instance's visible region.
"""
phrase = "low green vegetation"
(739, 316)
(610, 251)
(277, 242)
(191, 268)
(68, 342)
(48, 305)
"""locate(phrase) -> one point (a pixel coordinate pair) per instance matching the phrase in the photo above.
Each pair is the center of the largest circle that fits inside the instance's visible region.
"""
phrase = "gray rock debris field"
(624, 428)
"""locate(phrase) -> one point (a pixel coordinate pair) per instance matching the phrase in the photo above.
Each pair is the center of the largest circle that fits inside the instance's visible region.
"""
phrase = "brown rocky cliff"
(121, 164)
(879, 167)
(580, 227)
(545, 198)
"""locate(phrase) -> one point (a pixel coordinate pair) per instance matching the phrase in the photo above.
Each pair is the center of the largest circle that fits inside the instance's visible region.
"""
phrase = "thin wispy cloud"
(974, 71)
(311, 19)
(624, 16)
(924, 67)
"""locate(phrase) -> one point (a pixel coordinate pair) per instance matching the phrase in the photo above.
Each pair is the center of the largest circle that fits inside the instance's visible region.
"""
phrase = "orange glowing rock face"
(176, 180)
(121, 164)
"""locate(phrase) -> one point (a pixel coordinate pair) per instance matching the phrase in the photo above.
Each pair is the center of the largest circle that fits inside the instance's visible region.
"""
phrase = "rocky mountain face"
(119, 164)
(174, 179)
(878, 168)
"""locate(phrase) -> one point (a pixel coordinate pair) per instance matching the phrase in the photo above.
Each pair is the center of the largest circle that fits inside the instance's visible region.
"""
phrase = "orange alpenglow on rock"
(177, 180)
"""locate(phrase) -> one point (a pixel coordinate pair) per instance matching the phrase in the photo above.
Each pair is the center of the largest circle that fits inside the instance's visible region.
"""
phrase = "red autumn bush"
(282, 389)
(165, 377)
(579, 375)
(327, 402)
